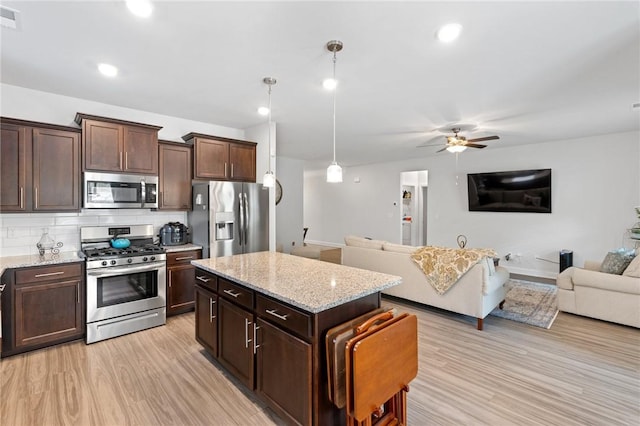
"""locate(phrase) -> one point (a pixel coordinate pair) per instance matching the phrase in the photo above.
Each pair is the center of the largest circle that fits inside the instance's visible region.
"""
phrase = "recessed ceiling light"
(330, 84)
(141, 8)
(263, 111)
(108, 70)
(449, 32)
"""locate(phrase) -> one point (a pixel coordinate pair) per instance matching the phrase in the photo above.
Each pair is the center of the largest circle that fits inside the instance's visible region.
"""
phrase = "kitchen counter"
(310, 285)
(28, 260)
(183, 247)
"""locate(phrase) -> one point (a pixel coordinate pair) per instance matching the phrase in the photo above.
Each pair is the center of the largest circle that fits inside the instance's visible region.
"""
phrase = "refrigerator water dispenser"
(224, 230)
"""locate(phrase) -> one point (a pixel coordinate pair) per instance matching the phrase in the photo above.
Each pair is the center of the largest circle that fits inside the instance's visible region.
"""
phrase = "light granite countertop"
(183, 247)
(311, 285)
(28, 260)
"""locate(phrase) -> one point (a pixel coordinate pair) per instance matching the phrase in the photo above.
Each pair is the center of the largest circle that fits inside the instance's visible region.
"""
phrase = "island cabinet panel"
(283, 368)
(47, 306)
(113, 145)
(236, 334)
(40, 167)
(274, 348)
(206, 302)
(218, 158)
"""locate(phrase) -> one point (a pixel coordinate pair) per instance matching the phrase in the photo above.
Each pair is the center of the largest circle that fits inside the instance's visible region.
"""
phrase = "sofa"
(602, 295)
(476, 293)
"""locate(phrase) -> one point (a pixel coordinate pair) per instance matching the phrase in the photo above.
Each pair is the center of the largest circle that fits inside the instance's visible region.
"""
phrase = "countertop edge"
(28, 261)
(297, 304)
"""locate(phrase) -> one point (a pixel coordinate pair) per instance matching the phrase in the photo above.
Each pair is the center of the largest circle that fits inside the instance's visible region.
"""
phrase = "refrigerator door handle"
(246, 220)
(241, 228)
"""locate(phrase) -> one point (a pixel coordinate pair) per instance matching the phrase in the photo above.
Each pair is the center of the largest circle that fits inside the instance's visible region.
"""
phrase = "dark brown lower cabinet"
(207, 319)
(236, 333)
(273, 348)
(181, 277)
(283, 372)
(46, 306)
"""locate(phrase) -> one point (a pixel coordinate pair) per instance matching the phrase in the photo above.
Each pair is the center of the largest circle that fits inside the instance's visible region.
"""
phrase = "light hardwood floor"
(580, 372)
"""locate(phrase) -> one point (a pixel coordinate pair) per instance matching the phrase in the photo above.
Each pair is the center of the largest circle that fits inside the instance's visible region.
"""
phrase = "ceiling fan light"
(269, 180)
(334, 173)
(456, 148)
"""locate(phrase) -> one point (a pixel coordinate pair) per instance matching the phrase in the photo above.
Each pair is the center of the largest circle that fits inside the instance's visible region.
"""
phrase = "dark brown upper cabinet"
(40, 167)
(217, 158)
(175, 176)
(112, 145)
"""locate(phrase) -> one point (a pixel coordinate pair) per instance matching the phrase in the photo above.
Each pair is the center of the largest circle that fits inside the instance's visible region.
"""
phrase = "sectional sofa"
(475, 294)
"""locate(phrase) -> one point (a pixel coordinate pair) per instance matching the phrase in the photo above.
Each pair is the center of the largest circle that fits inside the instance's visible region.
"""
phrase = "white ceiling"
(526, 71)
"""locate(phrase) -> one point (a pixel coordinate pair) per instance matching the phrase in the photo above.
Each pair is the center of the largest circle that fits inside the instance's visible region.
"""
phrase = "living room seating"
(607, 296)
(475, 294)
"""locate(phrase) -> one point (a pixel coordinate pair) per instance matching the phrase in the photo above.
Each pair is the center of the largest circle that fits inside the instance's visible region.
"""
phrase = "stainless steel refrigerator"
(229, 218)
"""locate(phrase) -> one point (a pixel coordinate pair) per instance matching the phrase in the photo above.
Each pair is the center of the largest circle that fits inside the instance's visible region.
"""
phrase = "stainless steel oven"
(126, 287)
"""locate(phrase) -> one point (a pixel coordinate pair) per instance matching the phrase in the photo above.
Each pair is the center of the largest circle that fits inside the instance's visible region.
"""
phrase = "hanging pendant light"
(334, 171)
(269, 179)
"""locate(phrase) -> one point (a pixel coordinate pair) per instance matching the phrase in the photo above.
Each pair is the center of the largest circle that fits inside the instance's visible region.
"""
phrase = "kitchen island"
(264, 316)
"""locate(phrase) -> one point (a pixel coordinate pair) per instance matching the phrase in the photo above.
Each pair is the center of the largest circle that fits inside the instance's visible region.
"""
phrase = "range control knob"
(153, 258)
(113, 262)
(104, 263)
(144, 259)
(129, 260)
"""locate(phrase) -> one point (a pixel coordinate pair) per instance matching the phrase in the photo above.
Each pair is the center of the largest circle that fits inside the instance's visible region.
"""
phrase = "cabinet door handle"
(231, 293)
(50, 274)
(203, 279)
(21, 197)
(184, 258)
(120, 162)
(247, 323)
(77, 292)
(276, 314)
(225, 169)
(126, 161)
(255, 338)
(35, 198)
(211, 303)
(231, 169)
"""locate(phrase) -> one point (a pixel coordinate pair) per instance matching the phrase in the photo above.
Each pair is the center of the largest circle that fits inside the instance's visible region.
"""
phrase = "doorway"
(413, 220)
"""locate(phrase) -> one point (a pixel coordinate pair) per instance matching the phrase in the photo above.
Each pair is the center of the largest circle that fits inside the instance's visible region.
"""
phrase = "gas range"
(97, 250)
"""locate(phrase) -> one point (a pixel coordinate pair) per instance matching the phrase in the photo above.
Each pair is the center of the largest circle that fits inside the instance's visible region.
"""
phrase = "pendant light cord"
(335, 89)
(269, 130)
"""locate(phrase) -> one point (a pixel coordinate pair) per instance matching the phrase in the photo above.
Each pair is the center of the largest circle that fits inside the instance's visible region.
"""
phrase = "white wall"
(596, 184)
(19, 233)
(289, 220)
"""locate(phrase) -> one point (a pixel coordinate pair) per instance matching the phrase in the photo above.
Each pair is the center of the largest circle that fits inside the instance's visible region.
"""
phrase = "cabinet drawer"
(284, 316)
(206, 279)
(240, 295)
(182, 257)
(48, 273)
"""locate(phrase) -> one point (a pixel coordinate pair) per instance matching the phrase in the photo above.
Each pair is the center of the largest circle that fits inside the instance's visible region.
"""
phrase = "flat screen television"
(527, 191)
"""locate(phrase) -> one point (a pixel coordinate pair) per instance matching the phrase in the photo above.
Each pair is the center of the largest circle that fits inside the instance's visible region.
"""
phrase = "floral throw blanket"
(443, 266)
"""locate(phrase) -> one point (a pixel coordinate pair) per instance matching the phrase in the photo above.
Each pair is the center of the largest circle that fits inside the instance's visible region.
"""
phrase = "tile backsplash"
(20, 232)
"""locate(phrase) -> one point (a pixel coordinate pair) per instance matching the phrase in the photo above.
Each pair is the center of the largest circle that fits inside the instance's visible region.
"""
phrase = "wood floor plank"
(581, 371)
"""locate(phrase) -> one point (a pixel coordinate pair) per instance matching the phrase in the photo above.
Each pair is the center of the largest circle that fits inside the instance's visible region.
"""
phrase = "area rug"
(530, 303)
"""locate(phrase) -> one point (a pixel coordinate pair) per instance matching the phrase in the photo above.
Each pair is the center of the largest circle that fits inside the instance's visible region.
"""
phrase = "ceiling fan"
(457, 143)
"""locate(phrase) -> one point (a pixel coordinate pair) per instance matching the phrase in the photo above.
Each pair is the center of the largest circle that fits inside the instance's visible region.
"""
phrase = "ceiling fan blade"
(440, 150)
(486, 138)
(475, 145)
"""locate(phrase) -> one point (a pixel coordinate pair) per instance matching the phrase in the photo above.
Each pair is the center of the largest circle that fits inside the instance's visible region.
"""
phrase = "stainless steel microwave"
(119, 191)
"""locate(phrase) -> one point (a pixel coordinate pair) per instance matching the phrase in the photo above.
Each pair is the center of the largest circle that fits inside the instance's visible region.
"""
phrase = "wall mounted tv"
(527, 191)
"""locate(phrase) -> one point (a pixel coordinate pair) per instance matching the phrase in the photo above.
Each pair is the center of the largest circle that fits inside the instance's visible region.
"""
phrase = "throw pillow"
(615, 262)
(633, 270)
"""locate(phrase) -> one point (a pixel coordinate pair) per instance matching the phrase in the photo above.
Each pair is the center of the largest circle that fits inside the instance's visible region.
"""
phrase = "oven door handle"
(109, 272)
